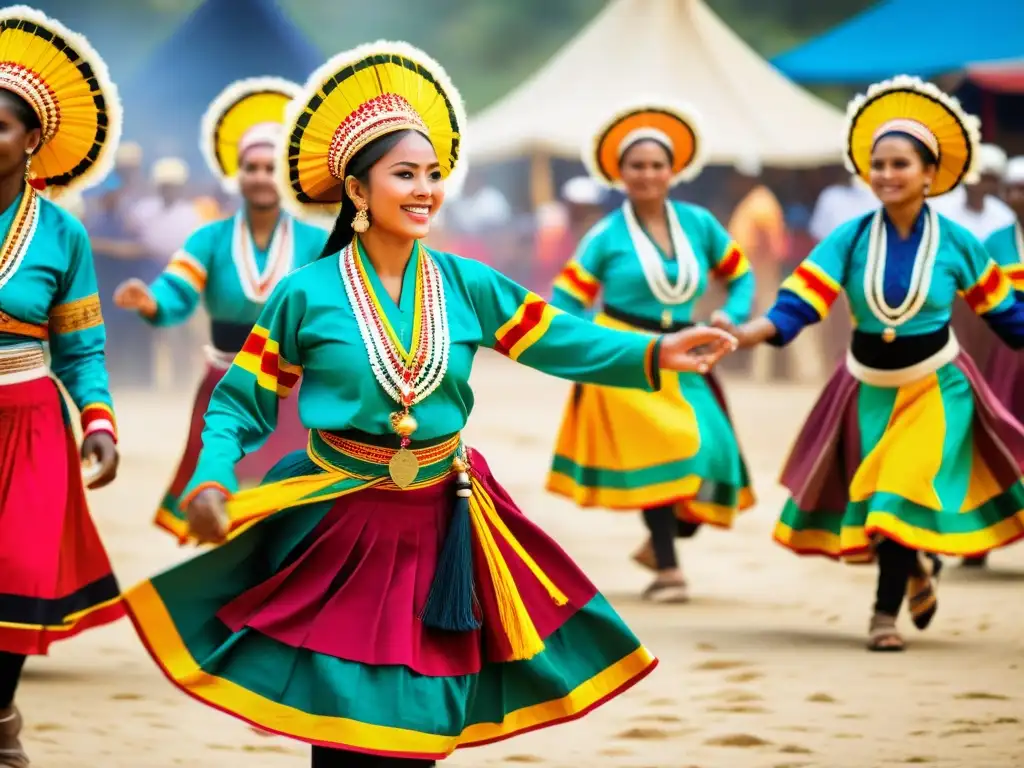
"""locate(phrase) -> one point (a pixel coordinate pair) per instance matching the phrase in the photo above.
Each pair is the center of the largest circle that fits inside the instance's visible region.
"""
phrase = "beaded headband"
(374, 118)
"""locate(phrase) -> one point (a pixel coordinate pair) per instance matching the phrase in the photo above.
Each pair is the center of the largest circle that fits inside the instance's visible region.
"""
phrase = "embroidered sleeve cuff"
(651, 364)
(98, 417)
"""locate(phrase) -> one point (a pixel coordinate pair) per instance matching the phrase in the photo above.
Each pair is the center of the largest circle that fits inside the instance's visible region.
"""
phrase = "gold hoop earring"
(361, 222)
(28, 163)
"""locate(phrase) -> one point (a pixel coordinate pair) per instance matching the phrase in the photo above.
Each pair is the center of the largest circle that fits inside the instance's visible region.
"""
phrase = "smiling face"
(646, 171)
(404, 189)
(899, 174)
(256, 177)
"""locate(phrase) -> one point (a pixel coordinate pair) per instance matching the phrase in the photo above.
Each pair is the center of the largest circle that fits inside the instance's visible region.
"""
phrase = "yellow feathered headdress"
(910, 105)
(356, 97)
(676, 126)
(67, 85)
(246, 113)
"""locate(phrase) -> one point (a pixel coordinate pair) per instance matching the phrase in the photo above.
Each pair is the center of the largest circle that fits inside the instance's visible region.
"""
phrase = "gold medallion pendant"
(403, 468)
(889, 335)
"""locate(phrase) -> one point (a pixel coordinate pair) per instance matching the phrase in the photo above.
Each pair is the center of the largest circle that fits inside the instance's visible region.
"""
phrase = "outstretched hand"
(695, 350)
(133, 294)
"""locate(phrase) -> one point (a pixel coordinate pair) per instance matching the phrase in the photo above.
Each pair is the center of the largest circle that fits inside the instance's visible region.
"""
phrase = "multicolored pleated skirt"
(933, 461)
(624, 449)
(309, 621)
(55, 577)
(1004, 373)
(288, 436)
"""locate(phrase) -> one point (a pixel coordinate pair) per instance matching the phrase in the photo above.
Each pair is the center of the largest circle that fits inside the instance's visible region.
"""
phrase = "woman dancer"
(60, 121)
(233, 265)
(907, 450)
(672, 453)
(380, 593)
(1004, 368)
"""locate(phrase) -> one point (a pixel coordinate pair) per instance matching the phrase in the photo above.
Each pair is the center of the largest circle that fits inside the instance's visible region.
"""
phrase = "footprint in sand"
(821, 698)
(795, 749)
(126, 697)
(715, 665)
(743, 677)
(848, 736)
(731, 695)
(920, 733)
(741, 709)
(920, 760)
(981, 696)
(46, 727)
(1006, 721)
(706, 647)
(662, 702)
(615, 752)
(523, 759)
(271, 750)
(644, 734)
(742, 740)
(656, 718)
(961, 731)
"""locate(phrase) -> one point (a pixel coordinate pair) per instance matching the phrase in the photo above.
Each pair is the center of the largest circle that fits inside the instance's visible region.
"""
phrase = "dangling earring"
(361, 222)
(28, 164)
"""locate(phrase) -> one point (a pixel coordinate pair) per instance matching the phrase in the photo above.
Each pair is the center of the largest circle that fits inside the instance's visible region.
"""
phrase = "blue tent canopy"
(221, 41)
(912, 37)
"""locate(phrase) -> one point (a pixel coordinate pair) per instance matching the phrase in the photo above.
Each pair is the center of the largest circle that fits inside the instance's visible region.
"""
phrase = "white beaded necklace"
(653, 264)
(920, 277)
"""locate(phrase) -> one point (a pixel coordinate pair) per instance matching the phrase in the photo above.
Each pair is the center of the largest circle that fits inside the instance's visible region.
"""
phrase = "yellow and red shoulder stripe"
(732, 265)
(189, 269)
(1015, 272)
(98, 417)
(990, 291)
(578, 283)
(261, 357)
(813, 285)
(526, 327)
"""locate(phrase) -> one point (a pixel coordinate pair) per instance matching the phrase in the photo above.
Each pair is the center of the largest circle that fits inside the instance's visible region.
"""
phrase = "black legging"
(337, 758)
(10, 672)
(896, 563)
(665, 527)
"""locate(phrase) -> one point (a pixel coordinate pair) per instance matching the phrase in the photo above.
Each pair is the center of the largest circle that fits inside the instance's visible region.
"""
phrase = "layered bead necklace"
(407, 376)
(19, 236)
(683, 288)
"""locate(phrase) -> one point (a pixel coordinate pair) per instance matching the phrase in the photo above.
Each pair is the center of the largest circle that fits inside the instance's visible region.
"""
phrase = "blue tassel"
(451, 604)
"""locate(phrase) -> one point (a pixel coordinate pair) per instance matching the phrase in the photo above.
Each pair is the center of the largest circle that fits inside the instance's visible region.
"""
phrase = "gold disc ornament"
(403, 468)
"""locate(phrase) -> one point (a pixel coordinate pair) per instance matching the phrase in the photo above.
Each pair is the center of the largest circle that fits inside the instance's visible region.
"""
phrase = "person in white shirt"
(838, 203)
(977, 207)
(162, 222)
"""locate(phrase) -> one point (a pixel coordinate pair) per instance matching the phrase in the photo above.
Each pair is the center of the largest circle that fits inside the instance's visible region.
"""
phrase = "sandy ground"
(764, 669)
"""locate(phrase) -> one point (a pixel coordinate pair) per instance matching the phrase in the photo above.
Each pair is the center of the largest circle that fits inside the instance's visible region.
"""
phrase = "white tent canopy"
(678, 49)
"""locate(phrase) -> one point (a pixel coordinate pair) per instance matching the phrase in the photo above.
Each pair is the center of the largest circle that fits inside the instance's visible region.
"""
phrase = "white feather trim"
(226, 99)
(970, 123)
(327, 71)
(115, 117)
(684, 113)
